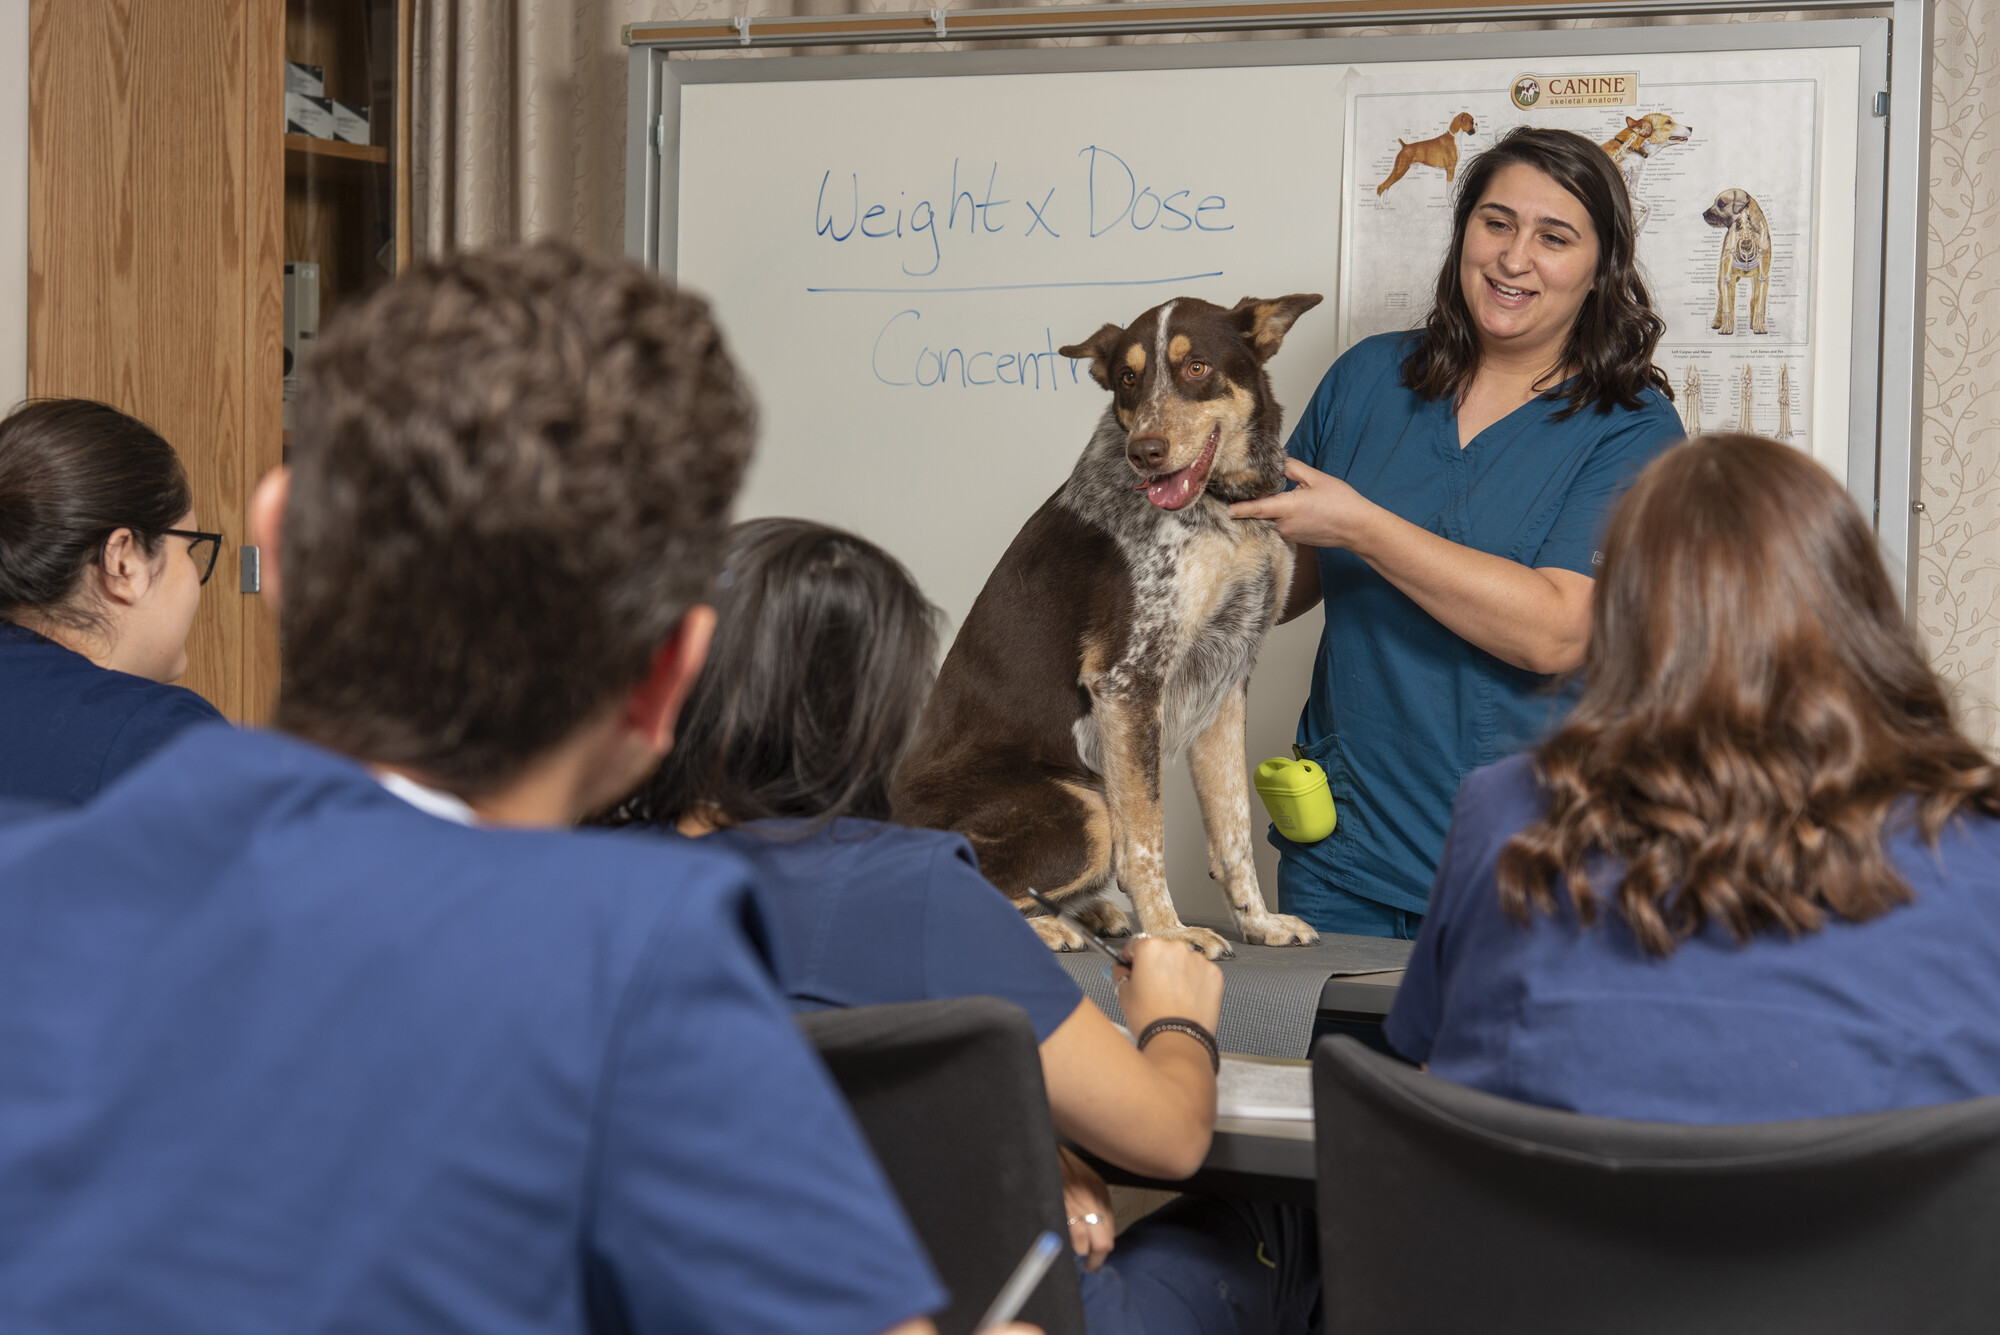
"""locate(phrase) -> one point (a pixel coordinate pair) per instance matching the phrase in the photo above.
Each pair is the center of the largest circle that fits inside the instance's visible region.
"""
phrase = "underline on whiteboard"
(1028, 287)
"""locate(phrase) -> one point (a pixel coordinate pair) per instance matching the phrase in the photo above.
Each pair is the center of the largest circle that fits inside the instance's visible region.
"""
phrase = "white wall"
(13, 201)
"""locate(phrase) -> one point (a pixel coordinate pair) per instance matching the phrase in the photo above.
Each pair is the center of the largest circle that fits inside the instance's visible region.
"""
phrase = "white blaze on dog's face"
(1188, 386)
(1528, 262)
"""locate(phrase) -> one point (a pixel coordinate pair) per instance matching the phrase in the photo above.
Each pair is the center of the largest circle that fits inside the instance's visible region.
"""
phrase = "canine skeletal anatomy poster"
(1733, 163)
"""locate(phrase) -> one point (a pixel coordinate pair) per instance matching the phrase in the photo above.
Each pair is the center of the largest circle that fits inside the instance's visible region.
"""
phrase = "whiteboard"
(896, 245)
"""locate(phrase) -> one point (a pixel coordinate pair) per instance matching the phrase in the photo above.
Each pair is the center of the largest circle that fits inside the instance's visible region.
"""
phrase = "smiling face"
(1528, 261)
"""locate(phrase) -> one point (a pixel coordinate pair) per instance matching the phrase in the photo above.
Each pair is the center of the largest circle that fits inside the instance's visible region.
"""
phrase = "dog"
(1117, 632)
(1441, 152)
(1746, 253)
(1632, 147)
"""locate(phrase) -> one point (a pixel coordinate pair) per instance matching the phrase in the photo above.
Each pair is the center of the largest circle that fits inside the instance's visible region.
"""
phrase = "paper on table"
(1268, 1087)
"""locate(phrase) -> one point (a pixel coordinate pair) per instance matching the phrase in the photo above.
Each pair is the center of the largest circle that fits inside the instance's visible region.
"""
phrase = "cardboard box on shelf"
(350, 123)
(307, 79)
(308, 115)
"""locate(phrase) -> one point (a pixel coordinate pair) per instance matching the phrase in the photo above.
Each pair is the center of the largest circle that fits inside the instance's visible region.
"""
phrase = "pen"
(1057, 910)
(1007, 1303)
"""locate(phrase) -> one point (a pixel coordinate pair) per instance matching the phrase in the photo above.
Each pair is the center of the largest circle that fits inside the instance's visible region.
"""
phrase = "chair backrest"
(950, 1095)
(1446, 1209)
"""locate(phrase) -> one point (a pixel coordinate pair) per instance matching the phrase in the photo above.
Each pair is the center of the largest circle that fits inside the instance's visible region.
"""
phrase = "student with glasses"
(101, 568)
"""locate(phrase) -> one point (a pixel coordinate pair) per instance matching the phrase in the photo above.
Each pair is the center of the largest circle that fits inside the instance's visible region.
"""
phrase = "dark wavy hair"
(72, 473)
(1755, 712)
(1611, 344)
(824, 652)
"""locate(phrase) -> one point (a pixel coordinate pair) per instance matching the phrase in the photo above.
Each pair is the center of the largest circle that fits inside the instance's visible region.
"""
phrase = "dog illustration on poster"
(1441, 152)
(1746, 399)
(1691, 400)
(1746, 254)
(1634, 146)
(1785, 401)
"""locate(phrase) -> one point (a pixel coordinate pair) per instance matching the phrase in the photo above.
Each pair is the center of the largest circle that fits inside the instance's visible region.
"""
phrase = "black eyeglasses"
(196, 541)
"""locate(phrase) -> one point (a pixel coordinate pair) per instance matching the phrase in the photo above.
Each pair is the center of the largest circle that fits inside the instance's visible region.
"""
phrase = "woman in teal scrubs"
(1448, 488)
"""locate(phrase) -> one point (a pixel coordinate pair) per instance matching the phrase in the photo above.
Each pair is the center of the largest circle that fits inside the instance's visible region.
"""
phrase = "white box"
(307, 79)
(308, 115)
(301, 323)
(350, 123)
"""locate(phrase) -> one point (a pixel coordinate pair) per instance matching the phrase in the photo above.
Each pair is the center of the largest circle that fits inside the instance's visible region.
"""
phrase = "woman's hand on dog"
(1093, 1231)
(1320, 511)
(1168, 979)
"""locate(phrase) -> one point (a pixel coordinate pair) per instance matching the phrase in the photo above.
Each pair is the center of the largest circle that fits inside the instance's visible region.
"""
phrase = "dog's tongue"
(1171, 491)
(1174, 490)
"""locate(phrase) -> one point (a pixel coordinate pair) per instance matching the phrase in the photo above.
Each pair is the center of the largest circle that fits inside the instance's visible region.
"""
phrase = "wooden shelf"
(301, 149)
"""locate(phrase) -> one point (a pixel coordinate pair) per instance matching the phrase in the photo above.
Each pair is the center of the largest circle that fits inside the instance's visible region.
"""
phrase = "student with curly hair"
(340, 1026)
(1756, 875)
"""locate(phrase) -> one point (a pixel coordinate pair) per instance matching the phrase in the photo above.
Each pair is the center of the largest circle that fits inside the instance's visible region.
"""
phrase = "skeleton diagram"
(1745, 397)
(1691, 400)
(1785, 402)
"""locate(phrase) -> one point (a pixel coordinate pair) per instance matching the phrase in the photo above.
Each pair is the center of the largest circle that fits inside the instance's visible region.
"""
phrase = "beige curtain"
(519, 124)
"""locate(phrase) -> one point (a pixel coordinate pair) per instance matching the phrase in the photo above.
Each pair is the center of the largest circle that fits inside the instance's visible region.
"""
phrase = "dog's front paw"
(1106, 918)
(1279, 929)
(1212, 944)
(1059, 933)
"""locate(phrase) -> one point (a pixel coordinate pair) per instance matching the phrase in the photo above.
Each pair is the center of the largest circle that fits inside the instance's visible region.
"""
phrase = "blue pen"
(1007, 1303)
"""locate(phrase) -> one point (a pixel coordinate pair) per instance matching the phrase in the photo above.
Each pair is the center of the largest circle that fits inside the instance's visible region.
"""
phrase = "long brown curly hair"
(1755, 711)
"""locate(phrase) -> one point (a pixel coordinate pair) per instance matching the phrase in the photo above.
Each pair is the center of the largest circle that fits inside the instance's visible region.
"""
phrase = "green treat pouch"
(1296, 795)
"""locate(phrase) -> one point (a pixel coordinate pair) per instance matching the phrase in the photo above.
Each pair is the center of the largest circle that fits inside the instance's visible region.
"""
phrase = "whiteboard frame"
(1891, 171)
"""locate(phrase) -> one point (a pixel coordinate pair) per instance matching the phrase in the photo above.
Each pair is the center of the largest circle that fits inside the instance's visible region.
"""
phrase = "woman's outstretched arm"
(1149, 1112)
(1538, 619)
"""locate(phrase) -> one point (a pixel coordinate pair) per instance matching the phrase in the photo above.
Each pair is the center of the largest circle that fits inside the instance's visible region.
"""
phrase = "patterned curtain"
(519, 123)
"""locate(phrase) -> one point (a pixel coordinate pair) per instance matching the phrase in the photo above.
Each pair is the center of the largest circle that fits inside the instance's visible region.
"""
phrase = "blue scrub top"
(1896, 1012)
(867, 913)
(279, 1051)
(1401, 708)
(69, 727)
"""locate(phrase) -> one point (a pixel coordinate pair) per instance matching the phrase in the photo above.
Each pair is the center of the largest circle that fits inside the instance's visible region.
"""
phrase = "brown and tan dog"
(1441, 152)
(1117, 632)
(1633, 146)
(1746, 253)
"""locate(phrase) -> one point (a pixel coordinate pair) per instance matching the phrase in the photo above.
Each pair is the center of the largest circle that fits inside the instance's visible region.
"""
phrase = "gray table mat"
(1270, 994)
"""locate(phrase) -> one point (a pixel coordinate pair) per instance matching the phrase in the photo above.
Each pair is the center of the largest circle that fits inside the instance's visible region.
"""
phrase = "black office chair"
(1446, 1209)
(950, 1095)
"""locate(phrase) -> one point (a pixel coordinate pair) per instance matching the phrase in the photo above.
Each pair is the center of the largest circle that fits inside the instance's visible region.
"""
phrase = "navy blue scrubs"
(1897, 1012)
(869, 913)
(281, 1052)
(1401, 708)
(69, 727)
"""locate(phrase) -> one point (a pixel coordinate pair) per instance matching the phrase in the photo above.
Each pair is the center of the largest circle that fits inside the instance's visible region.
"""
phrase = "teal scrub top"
(1402, 709)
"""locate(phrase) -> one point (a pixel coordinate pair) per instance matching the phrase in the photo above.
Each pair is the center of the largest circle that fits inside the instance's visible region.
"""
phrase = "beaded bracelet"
(1199, 1033)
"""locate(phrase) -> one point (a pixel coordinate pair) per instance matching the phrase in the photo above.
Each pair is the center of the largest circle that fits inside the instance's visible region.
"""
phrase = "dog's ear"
(1264, 321)
(1100, 347)
(1631, 124)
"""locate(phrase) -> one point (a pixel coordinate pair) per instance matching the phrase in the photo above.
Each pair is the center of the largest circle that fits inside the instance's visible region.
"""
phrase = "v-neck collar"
(1450, 416)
